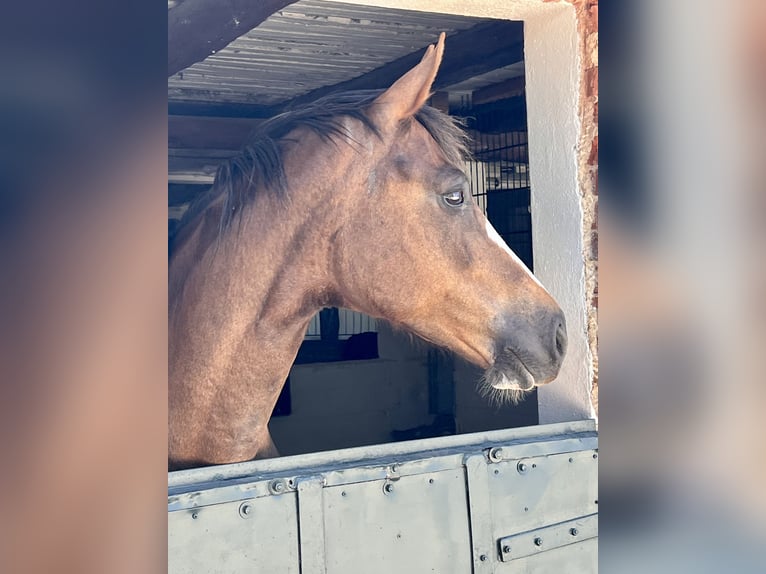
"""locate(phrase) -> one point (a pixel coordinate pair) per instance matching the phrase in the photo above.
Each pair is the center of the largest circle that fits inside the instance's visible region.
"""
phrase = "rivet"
(497, 471)
(483, 557)
(506, 549)
(526, 509)
(194, 515)
(343, 493)
(430, 481)
(276, 486)
(595, 455)
(538, 541)
(521, 467)
(245, 510)
(573, 531)
(571, 459)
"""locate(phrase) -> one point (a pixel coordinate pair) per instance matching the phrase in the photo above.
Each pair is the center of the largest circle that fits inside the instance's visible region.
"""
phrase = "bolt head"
(538, 541)
(388, 487)
(277, 486)
(506, 549)
(245, 510)
(573, 531)
(483, 557)
(522, 467)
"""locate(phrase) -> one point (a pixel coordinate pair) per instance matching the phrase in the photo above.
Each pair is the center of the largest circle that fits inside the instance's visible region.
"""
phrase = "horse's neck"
(248, 290)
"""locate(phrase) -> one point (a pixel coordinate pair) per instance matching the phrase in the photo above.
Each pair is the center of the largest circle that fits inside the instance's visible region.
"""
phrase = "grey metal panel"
(444, 505)
(530, 494)
(413, 524)
(535, 491)
(233, 538)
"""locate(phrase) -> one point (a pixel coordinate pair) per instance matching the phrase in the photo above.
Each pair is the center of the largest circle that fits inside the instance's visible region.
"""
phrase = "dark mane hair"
(259, 163)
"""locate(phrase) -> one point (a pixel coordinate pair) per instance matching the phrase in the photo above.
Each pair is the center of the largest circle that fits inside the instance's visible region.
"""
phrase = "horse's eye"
(454, 198)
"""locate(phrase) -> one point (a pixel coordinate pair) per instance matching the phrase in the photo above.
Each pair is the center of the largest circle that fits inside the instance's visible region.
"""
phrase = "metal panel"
(531, 492)
(444, 505)
(255, 535)
(412, 523)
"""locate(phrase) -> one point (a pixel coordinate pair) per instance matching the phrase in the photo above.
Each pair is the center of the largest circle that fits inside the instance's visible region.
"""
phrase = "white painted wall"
(552, 70)
(551, 63)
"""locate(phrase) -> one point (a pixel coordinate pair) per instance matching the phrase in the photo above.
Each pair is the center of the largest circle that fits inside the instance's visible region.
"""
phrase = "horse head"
(409, 245)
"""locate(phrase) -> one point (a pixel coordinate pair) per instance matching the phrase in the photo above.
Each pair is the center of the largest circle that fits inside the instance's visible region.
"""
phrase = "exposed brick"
(593, 157)
(594, 223)
(591, 82)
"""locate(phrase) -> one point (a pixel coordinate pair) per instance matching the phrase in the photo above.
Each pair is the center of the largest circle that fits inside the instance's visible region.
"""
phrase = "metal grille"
(499, 175)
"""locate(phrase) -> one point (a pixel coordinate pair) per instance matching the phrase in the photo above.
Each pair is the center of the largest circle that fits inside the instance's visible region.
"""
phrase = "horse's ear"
(408, 94)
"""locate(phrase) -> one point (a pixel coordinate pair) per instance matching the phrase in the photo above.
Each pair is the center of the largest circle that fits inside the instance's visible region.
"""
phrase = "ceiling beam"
(503, 90)
(191, 132)
(478, 50)
(198, 28)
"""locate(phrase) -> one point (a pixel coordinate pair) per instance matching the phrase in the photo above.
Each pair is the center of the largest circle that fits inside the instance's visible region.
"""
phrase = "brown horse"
(356, 201)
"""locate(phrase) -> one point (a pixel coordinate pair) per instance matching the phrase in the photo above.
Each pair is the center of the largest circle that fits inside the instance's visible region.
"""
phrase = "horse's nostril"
(561, 340)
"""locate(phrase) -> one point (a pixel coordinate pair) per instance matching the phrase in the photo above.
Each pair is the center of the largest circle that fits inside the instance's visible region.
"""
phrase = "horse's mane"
(259, 164)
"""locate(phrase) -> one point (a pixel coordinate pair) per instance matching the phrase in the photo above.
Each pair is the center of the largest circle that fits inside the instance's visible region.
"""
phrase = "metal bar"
(480, 513)
(539, 433)
(311, 535)
(548, 537)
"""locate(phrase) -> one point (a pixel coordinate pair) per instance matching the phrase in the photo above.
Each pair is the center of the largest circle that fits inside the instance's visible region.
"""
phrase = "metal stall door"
(520, 500)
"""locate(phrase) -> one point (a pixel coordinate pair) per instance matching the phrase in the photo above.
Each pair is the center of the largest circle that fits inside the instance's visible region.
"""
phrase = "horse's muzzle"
(530, 352)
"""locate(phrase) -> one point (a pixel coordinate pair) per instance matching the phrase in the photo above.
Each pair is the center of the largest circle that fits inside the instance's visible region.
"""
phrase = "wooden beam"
(191, 132)
(198, 28)
(500, 91)
(478, 50)
(219, 109)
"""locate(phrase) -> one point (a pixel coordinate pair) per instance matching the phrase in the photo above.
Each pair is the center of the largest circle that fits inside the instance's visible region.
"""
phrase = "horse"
(359, 201)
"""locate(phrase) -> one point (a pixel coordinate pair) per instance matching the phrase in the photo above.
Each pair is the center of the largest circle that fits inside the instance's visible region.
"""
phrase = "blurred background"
(682, 279)
(681, 286)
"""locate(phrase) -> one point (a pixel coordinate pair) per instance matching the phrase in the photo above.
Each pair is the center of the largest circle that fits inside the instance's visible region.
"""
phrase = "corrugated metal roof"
(309, 45)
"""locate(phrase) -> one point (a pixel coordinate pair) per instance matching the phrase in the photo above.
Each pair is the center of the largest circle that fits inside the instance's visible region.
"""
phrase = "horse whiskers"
(499, 397)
